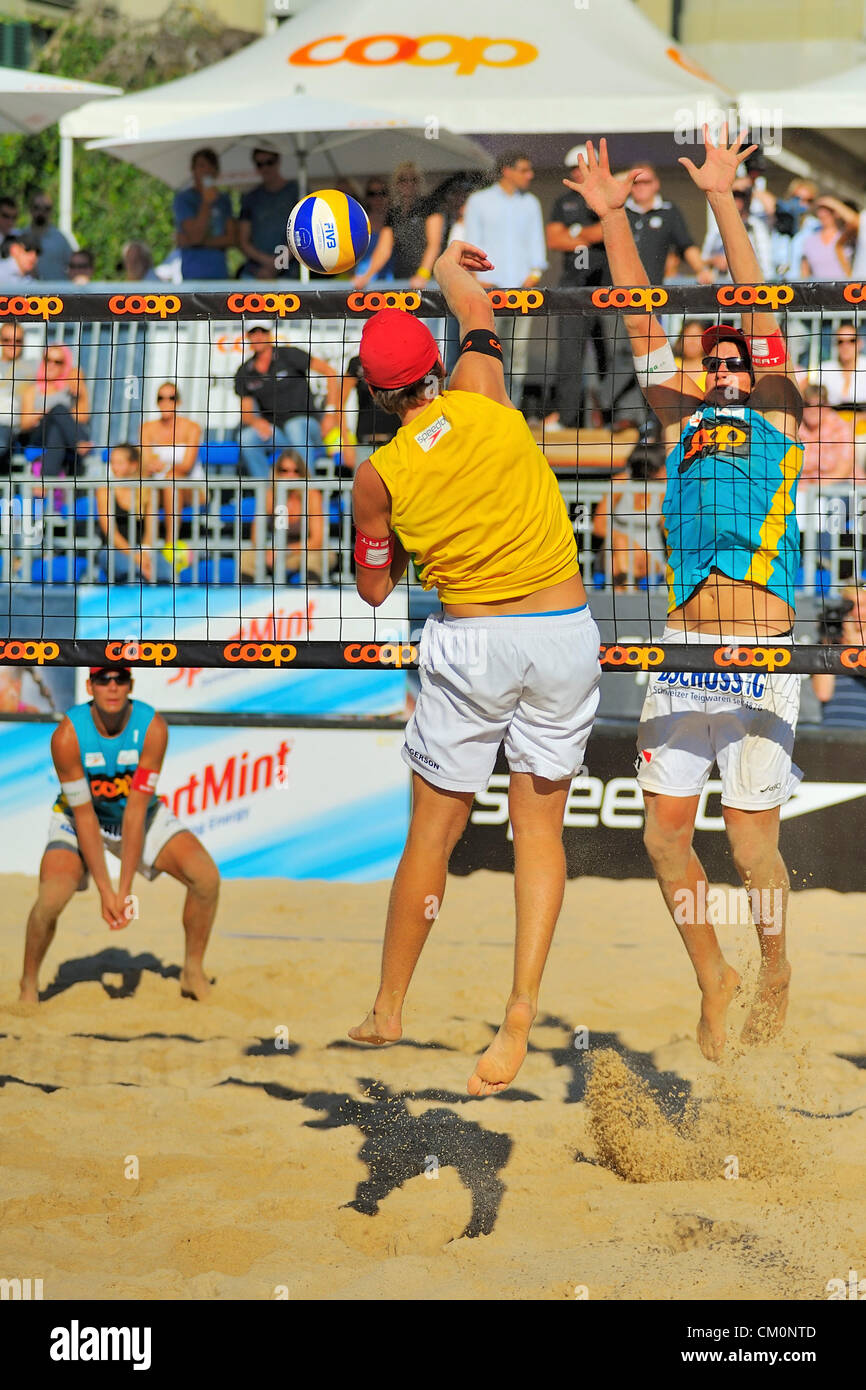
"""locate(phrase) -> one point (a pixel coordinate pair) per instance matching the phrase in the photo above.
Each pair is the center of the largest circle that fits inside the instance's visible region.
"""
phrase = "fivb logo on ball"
(328, 231)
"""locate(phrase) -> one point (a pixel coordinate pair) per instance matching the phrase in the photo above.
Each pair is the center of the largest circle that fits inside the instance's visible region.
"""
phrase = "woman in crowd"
(689, 354)
(376, 204)
(411, 238)
(827, 252)
(55, 412)
(284, 536)
(126, 514)
(169, 449)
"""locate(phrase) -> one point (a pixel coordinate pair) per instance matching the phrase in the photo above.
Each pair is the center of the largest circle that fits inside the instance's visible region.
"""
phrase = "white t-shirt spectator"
(510, 228)
(758, 236)
(11, 271)
(842, 387)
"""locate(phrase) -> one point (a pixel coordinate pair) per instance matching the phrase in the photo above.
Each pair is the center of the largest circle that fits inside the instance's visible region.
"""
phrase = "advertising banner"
(604, 816)
(253, 614)
(266, 803)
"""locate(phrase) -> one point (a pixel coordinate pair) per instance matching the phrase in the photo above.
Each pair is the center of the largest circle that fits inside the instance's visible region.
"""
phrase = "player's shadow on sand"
(398, 1145)
(111, 961)
(670, 1090)
(267, 1047)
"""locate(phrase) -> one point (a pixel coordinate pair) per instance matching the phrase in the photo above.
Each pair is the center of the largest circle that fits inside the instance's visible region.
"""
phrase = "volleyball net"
(165, 502)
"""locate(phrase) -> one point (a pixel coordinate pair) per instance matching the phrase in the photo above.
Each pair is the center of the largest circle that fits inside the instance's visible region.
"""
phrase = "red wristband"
(768, 352)
(144, 781)
(373, 553)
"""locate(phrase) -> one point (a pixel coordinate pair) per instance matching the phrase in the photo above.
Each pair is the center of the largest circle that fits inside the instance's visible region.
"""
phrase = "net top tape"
(149, 306)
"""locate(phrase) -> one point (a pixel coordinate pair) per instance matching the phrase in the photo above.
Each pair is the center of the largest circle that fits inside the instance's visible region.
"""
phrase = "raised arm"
(479, 368)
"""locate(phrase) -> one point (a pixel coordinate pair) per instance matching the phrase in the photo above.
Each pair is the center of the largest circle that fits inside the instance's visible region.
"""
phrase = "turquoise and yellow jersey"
(109, 763)
(730, 503)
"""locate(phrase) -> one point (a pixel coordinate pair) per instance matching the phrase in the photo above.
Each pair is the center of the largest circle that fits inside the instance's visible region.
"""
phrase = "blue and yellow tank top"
(475, 502)
(730, 503)
(109, 763)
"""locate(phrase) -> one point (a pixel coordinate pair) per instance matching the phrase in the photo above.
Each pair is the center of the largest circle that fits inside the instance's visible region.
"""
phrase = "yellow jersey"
(475, 502)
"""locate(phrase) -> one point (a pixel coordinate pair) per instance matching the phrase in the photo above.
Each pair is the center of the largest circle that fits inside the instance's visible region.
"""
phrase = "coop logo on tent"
(37, 306)
(380, 299)
(428, 51)
(159, 304)
(281, 304)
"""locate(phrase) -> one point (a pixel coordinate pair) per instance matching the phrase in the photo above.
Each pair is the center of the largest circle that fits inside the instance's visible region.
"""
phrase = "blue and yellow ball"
(328, 232)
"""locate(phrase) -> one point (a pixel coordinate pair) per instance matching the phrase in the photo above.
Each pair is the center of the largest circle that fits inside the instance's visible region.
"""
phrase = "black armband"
(482, 340)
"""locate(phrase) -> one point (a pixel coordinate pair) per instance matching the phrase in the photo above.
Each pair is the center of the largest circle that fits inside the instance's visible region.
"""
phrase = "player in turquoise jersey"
(733, 548)
(108, 755)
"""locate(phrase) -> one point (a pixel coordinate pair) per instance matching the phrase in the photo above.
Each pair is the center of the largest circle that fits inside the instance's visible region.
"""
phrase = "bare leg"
(754, 838)
(536, 806)
(670, 822)
(59, 876)
(187, 860)
(438, 820)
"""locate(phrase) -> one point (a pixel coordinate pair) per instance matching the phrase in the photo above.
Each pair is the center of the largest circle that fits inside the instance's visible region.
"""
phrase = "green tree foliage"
(114, 202)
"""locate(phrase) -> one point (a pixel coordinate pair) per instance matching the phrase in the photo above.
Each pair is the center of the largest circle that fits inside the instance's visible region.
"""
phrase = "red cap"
(113, 666)
(396, 350)
(725, 333)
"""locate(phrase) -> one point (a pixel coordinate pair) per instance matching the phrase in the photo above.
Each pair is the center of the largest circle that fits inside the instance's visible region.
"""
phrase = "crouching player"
(465, 490)
(108, 754)
(733, 549)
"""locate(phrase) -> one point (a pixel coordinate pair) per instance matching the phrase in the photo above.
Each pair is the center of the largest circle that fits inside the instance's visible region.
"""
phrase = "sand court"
(246, 1148)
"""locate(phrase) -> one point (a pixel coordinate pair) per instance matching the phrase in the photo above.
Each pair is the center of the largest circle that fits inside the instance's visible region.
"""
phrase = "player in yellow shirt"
(465, 491)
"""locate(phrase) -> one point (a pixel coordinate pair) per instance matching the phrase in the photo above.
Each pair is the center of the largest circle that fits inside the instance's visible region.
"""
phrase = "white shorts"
(530, 680)
(743, 721)
(61, 835)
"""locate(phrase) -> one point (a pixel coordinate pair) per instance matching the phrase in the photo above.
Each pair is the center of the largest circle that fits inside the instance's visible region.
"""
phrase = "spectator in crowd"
(203, 220)
(689, 353)
(55, 250)
(19, 254)
(630, 523)
(14, 374)
(506, 221)
(713, 251)
(843, 698)
(264, 213)
(55, 412)
(170, 450)
(8, 217)
(126, 513)
(375, 426)
(411, 238)
(844, 375)
(827, 252)
(136, 261)
(828, 440)
(81, 267)
(294, 524)
(659, 229)
(277, 400)
(793, 222)
(574, 230)
(376, 205)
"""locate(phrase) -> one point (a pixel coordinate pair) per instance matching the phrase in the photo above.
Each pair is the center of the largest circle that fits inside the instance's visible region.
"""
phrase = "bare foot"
(712, 1034)
(769, 1007)
(194, 984)
(29, 992)
(497, 1067)
(378, 1029)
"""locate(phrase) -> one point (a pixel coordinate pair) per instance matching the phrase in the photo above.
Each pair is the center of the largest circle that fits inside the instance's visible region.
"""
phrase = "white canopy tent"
(825, 121)
(552, 67)
(317, 139)
(31, 101)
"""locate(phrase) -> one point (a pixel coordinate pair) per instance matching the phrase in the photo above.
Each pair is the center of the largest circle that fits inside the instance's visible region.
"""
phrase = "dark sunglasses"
(732, 364)
(376, 193)
(112, 677)
(56, 361)
(264, 163)
(43, 207)
(166, 396)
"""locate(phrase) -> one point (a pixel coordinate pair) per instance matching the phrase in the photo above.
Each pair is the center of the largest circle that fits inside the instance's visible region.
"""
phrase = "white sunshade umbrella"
(31, 101)
(316, 138)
